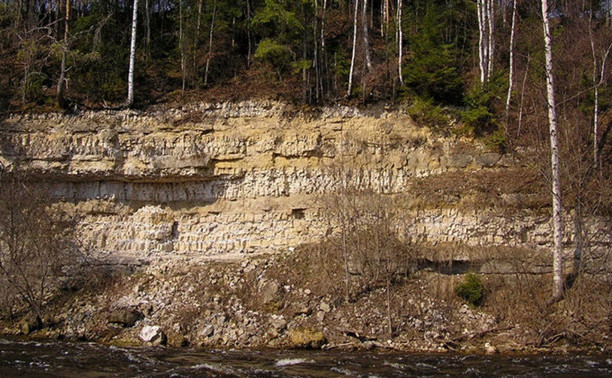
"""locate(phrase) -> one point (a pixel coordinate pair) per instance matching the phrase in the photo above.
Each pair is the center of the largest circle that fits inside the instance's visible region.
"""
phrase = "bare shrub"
(367, 242)
(36, 242)
(588, 310)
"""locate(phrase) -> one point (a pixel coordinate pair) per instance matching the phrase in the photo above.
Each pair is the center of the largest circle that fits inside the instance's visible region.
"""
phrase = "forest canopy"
(428, 53)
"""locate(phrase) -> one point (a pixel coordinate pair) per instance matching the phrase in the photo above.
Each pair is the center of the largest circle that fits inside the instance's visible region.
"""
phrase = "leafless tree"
(511, 60)
(130, 96)
(37, 242)
(350, 83)
(61, 83)
(554, 158)
(210, 42)
(400, 37)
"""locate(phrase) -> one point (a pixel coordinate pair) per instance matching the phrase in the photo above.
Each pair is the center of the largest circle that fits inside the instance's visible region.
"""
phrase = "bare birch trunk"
(210, 42)
(350, 83)
(315, 58)
(382, 18)
(557, 292)
(400, 37)
(249, 35)
(61, 84)
(366, 44)
(491, 37)
(182, 46)
(323, 58)
(305, 76)
(197, 36)
(520, 116)
(385, 6)
(598, 80)
(481, 40)
(147, 28)
(596, 96)
(511, 63)
(130, 96)
(578, 239)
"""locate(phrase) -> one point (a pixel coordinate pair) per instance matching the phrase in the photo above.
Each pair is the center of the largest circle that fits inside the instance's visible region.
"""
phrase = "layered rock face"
(220, 181)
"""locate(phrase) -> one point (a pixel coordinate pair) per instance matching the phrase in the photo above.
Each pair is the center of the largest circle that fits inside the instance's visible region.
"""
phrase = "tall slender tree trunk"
(305, 76)
(400, 40)
(578, 239)
(522, 103)
(323, 58)
(182, 47)
(196, 39)
(598, 80)
(384, 17)
(511, 62)
(210, 42)
(350, 83)
(481, 41)
(366, 43)
(491, 37)
(130, 96)
(147, 28)
(596, 95)
(315, 40)
(557, 291)
(61, 84)
(249, 34)
(58, 7)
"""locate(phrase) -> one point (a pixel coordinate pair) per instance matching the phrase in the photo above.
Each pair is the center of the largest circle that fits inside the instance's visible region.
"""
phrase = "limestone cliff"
(222, 180)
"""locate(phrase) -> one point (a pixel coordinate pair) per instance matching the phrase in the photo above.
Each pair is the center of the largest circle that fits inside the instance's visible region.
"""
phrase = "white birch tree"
(61, 84)
(598, 81)
(486, 38)
(350, 83)
(130, 96)
(400, 37)
(480, 8)
(182, 47)
(511, 62)
(491, 37)
(557, 291)
(147, 28)
(210, 42)
(366, 43)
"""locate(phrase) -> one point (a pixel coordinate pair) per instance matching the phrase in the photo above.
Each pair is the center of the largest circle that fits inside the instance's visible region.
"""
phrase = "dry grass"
(507, 189)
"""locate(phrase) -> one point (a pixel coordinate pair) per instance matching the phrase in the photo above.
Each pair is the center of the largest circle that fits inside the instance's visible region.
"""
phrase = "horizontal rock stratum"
(224, 180)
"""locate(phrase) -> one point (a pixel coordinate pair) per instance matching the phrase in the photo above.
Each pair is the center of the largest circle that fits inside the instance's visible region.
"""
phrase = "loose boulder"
(152, 335)
(126, 317)
(306, 338)
(29, 324)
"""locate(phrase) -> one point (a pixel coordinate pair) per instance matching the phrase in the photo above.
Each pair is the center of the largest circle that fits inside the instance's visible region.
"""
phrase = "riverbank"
(297, 300)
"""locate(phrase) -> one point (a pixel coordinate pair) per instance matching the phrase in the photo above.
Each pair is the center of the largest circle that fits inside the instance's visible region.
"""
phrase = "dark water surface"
(63, 359)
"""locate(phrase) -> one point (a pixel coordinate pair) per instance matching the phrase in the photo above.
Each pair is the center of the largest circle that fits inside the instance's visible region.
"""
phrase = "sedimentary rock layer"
(224, 180)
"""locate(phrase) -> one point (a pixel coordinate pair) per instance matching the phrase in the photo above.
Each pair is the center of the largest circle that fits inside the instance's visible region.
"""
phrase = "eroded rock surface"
(224, 180)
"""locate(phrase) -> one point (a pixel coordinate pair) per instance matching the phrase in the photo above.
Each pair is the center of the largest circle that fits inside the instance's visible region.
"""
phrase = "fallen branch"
(478, 335)
(340, 346)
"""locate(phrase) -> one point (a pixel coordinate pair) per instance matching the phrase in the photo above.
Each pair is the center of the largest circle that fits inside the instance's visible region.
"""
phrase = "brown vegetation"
(37, 245)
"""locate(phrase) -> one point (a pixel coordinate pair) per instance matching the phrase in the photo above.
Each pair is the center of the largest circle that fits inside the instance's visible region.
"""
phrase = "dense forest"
(476, 64)
(463, 53)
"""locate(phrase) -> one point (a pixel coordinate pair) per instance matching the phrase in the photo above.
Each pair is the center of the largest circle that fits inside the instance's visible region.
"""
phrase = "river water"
(64, 359)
